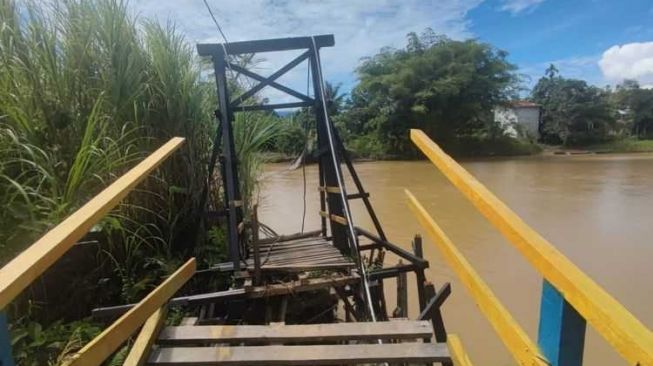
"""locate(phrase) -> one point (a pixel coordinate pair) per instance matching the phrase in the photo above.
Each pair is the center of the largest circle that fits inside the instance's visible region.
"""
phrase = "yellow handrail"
(19, 273)
(107, 342)
(523, 349)
(458, 354)
(625, 333)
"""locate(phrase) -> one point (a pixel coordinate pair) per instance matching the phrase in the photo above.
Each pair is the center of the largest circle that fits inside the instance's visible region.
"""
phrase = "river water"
(596, 209)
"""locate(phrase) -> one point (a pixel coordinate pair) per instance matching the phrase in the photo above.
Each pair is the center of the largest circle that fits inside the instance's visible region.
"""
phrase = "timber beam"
(266, 45)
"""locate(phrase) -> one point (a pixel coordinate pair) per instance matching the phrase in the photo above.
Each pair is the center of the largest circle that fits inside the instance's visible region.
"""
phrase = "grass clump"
(86, 91)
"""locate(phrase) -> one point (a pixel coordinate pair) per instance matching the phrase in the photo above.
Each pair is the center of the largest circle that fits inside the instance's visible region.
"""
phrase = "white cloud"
(629, 61)
(517, 6)
(361, 28)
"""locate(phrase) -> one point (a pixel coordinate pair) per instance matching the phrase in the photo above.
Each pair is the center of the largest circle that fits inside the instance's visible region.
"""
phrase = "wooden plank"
(16, 275)
(295, 333)
(141, 348)
(523, 349)
(300, 267)
(284, 238)
(335, 218)
(627, 335)
(292, 287)
(301, 355)
(192, 320)
(107, 342)
(458, 354)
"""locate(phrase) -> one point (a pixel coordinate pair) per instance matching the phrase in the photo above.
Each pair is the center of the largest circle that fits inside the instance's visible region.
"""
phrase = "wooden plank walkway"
(295, 333)
(298, 255)
(302, 355)
(350, 344)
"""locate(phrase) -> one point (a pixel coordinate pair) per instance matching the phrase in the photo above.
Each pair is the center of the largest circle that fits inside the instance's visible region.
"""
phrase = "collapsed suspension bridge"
(282, 306)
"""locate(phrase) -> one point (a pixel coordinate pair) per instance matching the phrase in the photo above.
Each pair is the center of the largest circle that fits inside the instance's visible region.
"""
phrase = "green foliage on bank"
(86, 91)
(573, 112)
(445, 87)
(623, 145)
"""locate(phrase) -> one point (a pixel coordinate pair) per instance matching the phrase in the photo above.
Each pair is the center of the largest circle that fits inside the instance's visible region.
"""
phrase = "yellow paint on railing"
(457, 351)
(31, 263)
(107, 342)
(146, 337)
(627, 335)
(523, 349)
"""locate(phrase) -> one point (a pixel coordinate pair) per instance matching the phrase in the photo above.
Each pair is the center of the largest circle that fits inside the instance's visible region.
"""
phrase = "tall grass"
(86, 90)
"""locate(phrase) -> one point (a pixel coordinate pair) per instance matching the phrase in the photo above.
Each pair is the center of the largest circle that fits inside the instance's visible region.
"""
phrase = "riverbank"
(621, 146)
(476, 148)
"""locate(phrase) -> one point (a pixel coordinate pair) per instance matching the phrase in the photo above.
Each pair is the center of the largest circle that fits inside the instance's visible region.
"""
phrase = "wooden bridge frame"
(19, 273)
(570, 298)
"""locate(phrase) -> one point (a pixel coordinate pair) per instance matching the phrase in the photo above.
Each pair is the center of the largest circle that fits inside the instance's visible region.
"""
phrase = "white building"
(520, 119)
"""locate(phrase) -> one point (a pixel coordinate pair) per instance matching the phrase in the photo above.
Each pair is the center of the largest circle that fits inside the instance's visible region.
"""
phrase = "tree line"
(449, 89)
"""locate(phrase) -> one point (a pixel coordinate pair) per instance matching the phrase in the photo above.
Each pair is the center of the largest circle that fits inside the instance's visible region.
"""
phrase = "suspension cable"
(305, 151)
(341, 184)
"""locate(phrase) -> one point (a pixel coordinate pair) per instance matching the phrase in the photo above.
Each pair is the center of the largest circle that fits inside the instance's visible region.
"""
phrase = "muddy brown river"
(597, 210)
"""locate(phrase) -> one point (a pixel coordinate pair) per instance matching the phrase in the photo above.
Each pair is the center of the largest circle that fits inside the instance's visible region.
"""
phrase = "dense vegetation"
(86, 91)
(577, 114)
(450, 88)
(447, 88)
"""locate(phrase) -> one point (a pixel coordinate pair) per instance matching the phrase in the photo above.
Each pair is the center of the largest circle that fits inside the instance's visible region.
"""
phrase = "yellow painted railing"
(20, 272)
(31, 263)
(625, 333)
(523, 349)
(107, 342)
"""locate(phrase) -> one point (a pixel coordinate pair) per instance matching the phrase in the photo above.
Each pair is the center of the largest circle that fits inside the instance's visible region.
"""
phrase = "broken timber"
(297, 286)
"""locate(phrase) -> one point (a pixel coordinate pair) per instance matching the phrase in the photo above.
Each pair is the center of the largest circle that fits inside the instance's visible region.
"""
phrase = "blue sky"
(600, 41)
(574, 35)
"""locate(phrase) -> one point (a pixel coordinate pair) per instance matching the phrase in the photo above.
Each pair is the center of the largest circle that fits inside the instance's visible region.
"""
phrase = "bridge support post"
(6, 358)
(561, 334)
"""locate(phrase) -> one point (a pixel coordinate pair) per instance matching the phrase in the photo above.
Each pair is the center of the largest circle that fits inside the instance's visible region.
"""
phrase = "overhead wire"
(341, 184)
(215, 20)
(308, 83)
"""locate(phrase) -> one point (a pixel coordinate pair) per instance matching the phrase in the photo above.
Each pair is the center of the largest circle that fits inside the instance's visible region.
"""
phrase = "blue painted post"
(561, 335)
(6, 359)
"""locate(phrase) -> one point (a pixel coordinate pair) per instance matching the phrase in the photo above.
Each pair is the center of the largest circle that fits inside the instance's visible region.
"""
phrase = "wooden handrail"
(625, 333)
(146, 337)
(523, 349)
(107, 342)
(458, 354)
(31, 263)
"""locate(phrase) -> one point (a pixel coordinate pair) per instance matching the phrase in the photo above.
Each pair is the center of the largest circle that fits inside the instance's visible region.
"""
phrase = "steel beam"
(268, 107)
(266, 45)
(263, 81)
(228, 159)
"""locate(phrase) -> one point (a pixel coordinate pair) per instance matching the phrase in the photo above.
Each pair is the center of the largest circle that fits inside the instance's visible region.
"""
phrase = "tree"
(635, 107)
(573, 112)
(447, 88)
